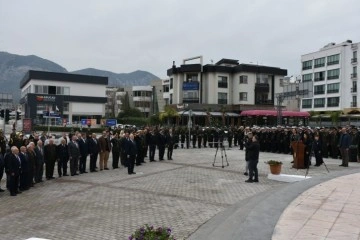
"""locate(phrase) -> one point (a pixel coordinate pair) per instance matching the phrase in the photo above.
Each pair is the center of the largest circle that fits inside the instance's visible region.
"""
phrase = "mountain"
(137, 78)
(14, 67)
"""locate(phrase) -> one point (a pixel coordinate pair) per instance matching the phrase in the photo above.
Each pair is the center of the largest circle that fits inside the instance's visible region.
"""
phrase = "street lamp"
(297, 83)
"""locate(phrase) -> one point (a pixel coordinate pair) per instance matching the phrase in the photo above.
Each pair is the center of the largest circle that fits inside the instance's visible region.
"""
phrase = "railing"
(306, 106)
(319, 65)
(222, 101)
(319, 79)
(264, 102)
(319, 105)
(307, 67)
(319, 92)
(222, 85)
(333, 63)
(354, 60)
(333, 77)
(353, 104)
(354, 89)
(333, 104)
(354, 75)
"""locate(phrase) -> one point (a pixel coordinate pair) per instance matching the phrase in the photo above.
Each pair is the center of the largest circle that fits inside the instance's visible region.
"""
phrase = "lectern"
(298, 150)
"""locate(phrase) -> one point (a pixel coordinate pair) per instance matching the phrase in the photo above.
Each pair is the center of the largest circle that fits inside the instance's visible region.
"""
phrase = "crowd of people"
(23, 159)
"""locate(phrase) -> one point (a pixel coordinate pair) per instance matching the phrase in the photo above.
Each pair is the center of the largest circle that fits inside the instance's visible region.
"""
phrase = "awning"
(216, 114)
(273, 113)
(229, 114)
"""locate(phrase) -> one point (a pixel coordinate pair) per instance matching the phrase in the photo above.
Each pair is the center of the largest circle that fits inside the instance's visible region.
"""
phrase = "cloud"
(123, 36)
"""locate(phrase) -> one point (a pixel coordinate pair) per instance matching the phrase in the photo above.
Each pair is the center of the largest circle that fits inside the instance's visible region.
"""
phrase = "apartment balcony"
(354, 60)
(354, 90)
(262, 87)
(190, 100)
(353, 75)
(353, 104)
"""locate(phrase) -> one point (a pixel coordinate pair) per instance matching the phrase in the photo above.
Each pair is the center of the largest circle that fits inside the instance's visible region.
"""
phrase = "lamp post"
(280, 99)
(297, 83)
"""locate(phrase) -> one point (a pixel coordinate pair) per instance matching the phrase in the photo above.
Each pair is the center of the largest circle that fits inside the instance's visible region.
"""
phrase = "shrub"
(150, 233)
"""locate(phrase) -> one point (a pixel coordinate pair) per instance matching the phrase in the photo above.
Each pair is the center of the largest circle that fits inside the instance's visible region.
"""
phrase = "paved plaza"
(184, 194)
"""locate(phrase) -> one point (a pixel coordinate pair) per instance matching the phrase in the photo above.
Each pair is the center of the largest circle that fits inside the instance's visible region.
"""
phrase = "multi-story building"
(114, 104)
(141, 98)
(333, 71)
(70, 97)
(227, 82)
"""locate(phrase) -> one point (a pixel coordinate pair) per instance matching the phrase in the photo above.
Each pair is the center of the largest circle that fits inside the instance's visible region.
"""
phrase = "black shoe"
(13, 194)
(256, 180)
(106, 168)
(2, 190)
(18, 192)
(317, 165)
(66, 175)
(85, 172)
(246, 174)
(76, 174)
(138, 164)
(346, 166)
(249, 181)
(133, 173)
(93, 170)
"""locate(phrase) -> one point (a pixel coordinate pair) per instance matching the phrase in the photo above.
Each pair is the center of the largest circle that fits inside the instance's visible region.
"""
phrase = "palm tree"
(168, 113)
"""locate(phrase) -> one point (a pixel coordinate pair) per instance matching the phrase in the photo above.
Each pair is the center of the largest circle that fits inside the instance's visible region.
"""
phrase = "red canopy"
(273, 113)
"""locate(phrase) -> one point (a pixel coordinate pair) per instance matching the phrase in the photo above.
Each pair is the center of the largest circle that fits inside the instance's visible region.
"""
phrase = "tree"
(125, 102)
(130, 112)
(168, 113)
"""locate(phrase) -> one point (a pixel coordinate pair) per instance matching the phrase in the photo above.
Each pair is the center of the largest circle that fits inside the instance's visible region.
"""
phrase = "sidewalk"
(330, 210)
(324, 207)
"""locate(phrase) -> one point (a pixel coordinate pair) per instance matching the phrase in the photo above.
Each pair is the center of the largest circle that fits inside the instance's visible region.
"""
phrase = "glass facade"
(222, 98)
(333, 88)
(333, 59)
(333, 74)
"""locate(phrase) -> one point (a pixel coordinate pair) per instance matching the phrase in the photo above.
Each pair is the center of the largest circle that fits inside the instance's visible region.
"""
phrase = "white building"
(63, 96)
(333, 70)
(226, 83)
(142, 98)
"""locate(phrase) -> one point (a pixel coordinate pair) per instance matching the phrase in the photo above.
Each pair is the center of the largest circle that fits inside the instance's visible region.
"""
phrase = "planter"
(275, 169)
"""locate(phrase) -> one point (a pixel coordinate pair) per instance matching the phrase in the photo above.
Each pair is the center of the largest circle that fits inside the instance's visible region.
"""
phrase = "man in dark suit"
(74, 155)
(14, 171)
(63, 158)
(39, 152)
(84, 151)
(170, 144)
(152, 146)
(131, 151)
(115, 151)
(94, 151)
(253, 149)
(344, 145)
(25, 170)
(50, 156)
(2, 166)
(161, 141)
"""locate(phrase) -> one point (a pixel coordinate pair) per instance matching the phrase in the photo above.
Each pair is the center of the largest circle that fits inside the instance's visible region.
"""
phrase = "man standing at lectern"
(344, 145)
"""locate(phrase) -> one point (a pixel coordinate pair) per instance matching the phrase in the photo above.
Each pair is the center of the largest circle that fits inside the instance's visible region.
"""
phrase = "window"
(262, 78)
(191, 96)
(191, 77)
(333, 102)
(243, 96)
(319, 76)
(170, 99)
(319, 89)
(354, 58)
(222, 98)
(307, 65)
(333, 88)
(171, 83)
(333, 59)
(66, 107)
(165, 88)
(66, 90)
(355, 69)
(222, 82)
(306, 103)
(307, 77)
(320, 62)
(333, 74)
(142, 104)
(243, 79)
(319, 102)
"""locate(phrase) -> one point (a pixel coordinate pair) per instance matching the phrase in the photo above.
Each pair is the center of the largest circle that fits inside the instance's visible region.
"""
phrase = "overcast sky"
(124, 36)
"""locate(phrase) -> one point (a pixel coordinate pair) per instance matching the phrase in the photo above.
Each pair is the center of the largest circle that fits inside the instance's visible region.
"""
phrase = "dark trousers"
(253, 170)
(74, 162)
(241, 144)
(24, 181)
(199, 142)
(39, 171)
(318, 159)
(131, 163)
(14, 184)
(235, 141)
(152, 152)
(115, 159)
(353, 154)
(49, 167)
(139, 158)
(169, 152)
(230, 142)
(161, 152)
(62, 167)
(82, 164)
(93, 159)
